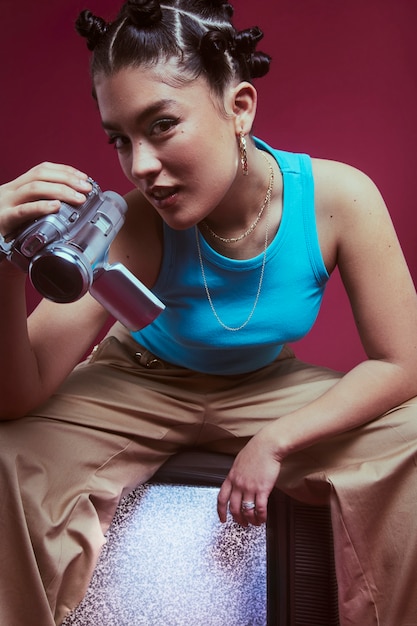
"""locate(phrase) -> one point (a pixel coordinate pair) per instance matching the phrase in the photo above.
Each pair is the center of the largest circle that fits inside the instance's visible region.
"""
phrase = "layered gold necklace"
(266, 204)
(257, 218)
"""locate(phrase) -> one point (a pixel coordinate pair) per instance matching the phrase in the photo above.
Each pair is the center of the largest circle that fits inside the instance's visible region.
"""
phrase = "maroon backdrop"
(343, 85)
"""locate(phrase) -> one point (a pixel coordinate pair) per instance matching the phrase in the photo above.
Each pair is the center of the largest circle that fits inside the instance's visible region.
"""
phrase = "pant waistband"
(151, 361)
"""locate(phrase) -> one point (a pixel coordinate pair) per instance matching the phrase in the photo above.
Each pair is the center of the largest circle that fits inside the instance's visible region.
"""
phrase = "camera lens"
(60, 276)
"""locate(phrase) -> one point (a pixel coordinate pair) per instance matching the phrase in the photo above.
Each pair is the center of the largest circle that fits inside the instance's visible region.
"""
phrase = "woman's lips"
(163, 197)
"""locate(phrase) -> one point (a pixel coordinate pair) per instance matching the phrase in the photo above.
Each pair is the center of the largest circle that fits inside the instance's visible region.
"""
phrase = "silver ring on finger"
(248, 506)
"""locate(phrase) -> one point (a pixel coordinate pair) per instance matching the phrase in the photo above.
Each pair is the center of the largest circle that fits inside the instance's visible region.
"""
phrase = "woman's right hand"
(39, 192)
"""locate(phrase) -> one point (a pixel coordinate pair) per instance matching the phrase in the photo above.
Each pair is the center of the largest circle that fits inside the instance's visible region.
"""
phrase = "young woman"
(238, 240)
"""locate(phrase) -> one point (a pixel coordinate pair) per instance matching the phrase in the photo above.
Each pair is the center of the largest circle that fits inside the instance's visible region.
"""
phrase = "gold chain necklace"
(261, 277)
(258, 217)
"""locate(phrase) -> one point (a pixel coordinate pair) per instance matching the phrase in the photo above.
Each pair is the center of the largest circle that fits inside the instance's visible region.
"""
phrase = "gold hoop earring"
(243, 153)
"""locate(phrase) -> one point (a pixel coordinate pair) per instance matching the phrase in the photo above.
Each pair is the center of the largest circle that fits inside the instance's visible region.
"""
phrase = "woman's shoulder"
(342, 184)
(347, 202)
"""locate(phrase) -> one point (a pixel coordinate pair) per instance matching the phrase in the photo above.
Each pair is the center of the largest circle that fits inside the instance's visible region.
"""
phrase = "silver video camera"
(65, 253)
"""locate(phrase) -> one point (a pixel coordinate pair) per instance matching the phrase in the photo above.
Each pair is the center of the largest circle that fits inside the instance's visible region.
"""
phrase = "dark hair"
(198, 33)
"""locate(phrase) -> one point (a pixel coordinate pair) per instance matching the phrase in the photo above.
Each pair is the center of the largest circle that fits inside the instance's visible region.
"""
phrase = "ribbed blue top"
(187, 333)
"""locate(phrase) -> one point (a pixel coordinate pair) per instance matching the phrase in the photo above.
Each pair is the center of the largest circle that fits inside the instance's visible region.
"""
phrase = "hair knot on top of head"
(197, 35)
(142, 13)
(92, 27)
(245, 42)
(214, 43)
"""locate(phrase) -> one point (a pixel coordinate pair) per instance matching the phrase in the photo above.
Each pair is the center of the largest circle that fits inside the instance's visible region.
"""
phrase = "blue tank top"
(187, 332)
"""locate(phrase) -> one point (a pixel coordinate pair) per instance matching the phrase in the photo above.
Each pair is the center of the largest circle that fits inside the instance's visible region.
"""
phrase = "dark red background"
(343, 85)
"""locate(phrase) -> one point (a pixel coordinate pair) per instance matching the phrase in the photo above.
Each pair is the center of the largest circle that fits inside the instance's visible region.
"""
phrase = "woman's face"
(174, 143)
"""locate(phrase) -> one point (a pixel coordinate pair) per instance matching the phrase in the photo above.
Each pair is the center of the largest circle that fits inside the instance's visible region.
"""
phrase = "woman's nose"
(145, 162)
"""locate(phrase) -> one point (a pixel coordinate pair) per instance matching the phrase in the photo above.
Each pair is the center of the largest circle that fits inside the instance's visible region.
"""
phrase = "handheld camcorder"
(65, 253)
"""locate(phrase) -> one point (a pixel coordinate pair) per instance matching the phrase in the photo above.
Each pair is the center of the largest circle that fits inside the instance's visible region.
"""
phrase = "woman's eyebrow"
(149, 111)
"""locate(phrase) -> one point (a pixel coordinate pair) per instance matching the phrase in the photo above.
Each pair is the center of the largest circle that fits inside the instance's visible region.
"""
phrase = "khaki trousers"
(64, 468)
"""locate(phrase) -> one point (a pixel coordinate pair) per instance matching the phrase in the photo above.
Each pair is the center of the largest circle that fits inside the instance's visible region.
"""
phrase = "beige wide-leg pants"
(64, 468)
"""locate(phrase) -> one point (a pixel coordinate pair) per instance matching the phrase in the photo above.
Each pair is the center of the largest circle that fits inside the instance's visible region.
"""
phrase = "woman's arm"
(382, 296)
(36, 356)
(357, 232)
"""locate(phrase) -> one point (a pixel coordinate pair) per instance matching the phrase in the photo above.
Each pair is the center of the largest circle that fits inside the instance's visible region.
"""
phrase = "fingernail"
(84, 184)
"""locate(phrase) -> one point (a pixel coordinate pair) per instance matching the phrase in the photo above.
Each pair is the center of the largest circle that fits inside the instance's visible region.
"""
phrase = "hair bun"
(258, 64)
(214, 43)
(143, 13)
(91, 27)
(213, 46)
(245, 42)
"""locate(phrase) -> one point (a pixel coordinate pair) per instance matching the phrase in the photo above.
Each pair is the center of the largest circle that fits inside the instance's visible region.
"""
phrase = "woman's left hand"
(249, 483)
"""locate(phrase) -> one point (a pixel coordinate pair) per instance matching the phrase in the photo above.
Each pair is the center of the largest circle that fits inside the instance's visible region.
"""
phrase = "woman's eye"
(118, 142)
(163, 126)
